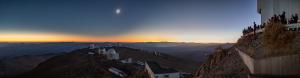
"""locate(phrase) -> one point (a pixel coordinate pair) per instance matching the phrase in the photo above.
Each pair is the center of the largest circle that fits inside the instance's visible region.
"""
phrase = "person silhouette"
(282, 18)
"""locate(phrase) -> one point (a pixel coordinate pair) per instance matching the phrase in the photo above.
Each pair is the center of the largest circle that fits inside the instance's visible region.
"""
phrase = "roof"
(126, 68)
(157, 69)
(117, 72)
(113, 51)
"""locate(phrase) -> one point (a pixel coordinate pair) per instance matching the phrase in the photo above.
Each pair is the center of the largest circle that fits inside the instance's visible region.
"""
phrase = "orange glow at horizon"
(145, 37)
(72, 38)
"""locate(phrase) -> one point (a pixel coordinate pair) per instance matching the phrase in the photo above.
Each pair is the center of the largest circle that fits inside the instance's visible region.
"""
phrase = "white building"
(112, 54)
(268, 8)
(156, 71)
(117, 72)
(91, 53)
(129, 60)
(92, 46)
(140, 63)
(157, 53)
(101, 51)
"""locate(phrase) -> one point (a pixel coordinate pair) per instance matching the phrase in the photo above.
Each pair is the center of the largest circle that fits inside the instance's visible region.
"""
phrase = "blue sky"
(181, 20)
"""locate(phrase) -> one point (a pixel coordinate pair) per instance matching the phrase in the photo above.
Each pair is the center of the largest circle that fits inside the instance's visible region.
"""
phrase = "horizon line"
(116, 42)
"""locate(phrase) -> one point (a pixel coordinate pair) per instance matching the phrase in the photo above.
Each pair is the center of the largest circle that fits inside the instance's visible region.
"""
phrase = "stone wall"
(282, 65)
(288, 65)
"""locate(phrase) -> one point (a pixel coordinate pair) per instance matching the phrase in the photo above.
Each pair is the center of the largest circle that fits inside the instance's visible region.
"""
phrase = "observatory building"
(268, 8)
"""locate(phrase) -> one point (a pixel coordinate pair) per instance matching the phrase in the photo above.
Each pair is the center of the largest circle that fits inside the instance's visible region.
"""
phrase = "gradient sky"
(206, 21)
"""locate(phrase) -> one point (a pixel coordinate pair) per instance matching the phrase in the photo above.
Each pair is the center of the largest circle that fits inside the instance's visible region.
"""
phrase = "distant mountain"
(184, 57)
(19, 49)
(189, 51)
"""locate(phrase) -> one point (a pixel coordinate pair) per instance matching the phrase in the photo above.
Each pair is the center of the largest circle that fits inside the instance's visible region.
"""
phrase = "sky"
(203, 21)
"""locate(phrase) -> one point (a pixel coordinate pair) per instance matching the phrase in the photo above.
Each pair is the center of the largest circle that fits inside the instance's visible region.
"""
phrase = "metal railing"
(290, 27)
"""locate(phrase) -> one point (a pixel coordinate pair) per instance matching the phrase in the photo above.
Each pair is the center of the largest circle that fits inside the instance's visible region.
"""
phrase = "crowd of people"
(276, 18)
(254, 28)
(282, 19)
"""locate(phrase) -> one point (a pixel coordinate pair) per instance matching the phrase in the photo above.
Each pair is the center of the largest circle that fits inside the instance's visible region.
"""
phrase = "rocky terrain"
(165, 60)
(80, 64)
(21, 64)
(224, 63)
(276, 41)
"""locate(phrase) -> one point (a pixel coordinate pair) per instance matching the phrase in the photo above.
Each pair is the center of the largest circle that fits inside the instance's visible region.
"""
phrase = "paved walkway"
(248, 61)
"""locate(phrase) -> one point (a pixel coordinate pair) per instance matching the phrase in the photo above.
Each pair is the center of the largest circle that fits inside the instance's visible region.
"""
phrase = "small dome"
(112, 51)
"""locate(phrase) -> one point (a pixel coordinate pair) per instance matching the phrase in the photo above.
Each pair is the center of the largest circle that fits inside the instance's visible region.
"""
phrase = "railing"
(255, 32)
(290, 27)
(293, 27)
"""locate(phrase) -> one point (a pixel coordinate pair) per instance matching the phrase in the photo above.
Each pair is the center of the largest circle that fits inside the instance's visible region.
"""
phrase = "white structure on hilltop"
(117, 72)
(92, 46)
(156, 53)
(91, 53)
(129, 60)
(101, 51)
(112, 54)
(268, 8)
(156, 71)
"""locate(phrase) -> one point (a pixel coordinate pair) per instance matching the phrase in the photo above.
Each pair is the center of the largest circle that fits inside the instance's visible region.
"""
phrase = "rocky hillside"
(165, 60)
(80, 64)
(21, 64)
(224, 63)
(275, 41)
